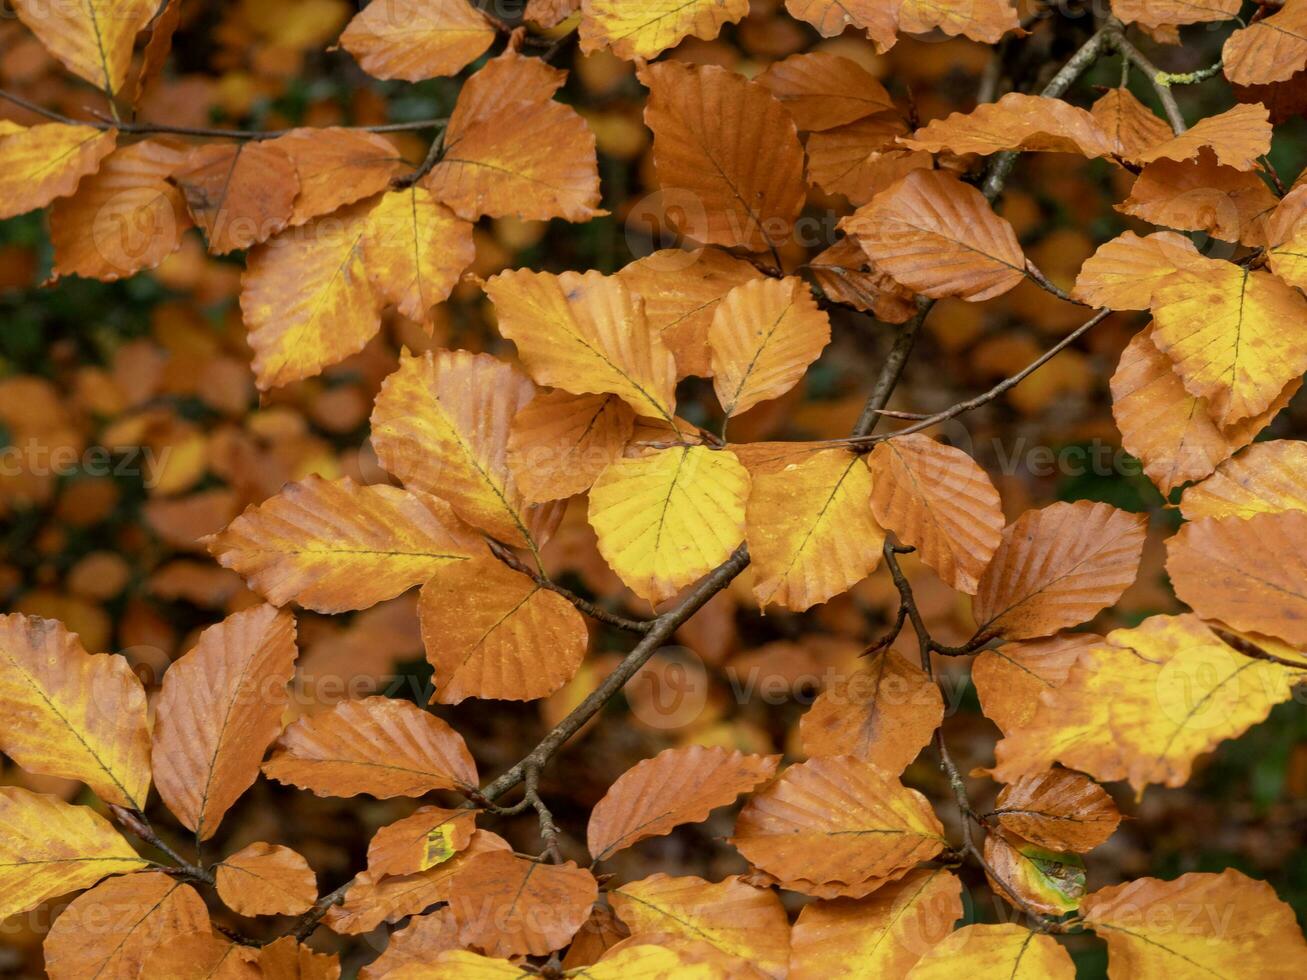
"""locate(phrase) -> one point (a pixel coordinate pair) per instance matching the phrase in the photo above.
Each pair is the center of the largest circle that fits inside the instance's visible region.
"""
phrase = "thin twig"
(1043, 282)
(138, 824)
(434, 152)
(1118, 40)
(548, 828)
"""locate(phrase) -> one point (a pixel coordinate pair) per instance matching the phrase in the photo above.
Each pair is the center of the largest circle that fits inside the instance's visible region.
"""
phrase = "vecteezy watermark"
(34, 457)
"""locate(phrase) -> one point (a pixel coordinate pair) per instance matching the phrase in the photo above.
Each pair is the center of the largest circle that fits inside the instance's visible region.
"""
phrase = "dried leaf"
(412, 40)
(980, 20)
(415, 249)
(266, 879)
(1123, 273)
(72, 714)
(286, 959)
(939, 237)
(863, 158)
(202, 956)
(93, 38)
(560, 442)
(832, 17)
(220, 708)
(332, 545)
(810, 529)
(1010, 679)
(1059, 810)
(1130, 126)
(417, 946)
(1201, 195)
(379, 746)
(823, 90)
(240, 194)
(679, 785)
(1174, 13)
(41, 163)
(1268, 478)
(1049, 882)
(647, 29)
(1016, 122)
(1237, 137)
(1271, 50)
(428, 837)
(845, 274)
(996, 952)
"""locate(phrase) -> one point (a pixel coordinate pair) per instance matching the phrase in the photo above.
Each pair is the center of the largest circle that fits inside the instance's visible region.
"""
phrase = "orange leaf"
(420, 841)
(1058, 809)
(1123, 273)
(1174, 13)
(416, 945)
(877, 18)
(266, 879)
(1016, 122)
(980, 20)
(560, 442)
(1268, 478)
(1202, 195)
(1271, 50)
(863, 158)
(336, 166)
(1237, 136)
(1010, 679)
(415, 250)
(1130, 126)
(823, 90)
(92, 38)
(412, 40)
(240, 194)
(286, 959)
(41, 163)
(845, 274)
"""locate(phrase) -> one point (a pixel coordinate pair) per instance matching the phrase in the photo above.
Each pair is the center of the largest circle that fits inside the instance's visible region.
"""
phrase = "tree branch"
(1118, 40)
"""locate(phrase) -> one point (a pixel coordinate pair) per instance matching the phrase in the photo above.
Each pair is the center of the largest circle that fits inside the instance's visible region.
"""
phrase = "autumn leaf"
(509, 905)
(72, 714)
(266, 879)
(1057, 567)
(845, 275)
(1202, 195)
(764, 335)
(679, 785)
(202, 955)
(1010, 678)
(995, 952)
(831, 17)
(416, 39)
(50, 848)
(1130, 126)
(124, 218)
(863, 158)
(1143, 704)
(1237, 137)
(93, 38)
(884, 713)
(428, 837)
(1174, 13)
(1267, 478)
(1271, 50)
(332, 545)
(936, 499)
(1286, 234)
(560, 442)
(380, 746)
(727, 154)
(218, 711)
(492, 632)
(586, 333)
(1059, 810)
(824, 90)
(667, 518)
(239, 194)
(286, 959)
(417, 946)
(733, 918)
(1016, 122)
(441, 424)
(335, 167)
(1152, 932)
(1247, 573)
(45, 162)
(147, 911)
(837, 819)
(882, 935)
(1123, 274)
(939, 237)
(1049, 882)
(646, 30)
(980, 20)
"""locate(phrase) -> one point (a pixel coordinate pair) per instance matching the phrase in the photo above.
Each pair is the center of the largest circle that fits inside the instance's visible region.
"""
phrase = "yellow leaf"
(41, 163)
(1123, 273)
(72, 714)
(415, 250)
(1233, 335)
(560, 442)
(266, 879)
(379, 746)
(332, 545)
(1287, 236)
(939, 237)
(670, 517)
(1268, 478)
(93, 38)
(1016, 122)
(882, 935)
(220, 708)
(50, 847)
(586, 333)
(491, 632)
(1219, 925)
(995, 952)
(730, 166)
(810, 529)
(537, 907)
(441, 425)
(645, 30)
(307, 300)
(1143, 704)
(426, 838)
(740, 921)
(416, 39)
(763, 336)
(936, 498)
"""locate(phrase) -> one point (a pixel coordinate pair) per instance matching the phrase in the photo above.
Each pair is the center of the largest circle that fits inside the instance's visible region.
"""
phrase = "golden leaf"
(93, 38)
(41, 163)
(936, 498)
(586, 333)
(1202, 195)
(995, 952)
(1057, 567)
(823, 90)
(1130, 126)
(1123, 273)
(1237, 137)
(810, 529)
(645, 30)
(415, 249)
(415, 39)
(1010, 679)
(420, 841)
(380, 746)
(1267, 478)
(51, 847)
(332, 545)
(1016, 122)
(72, 714)
(670, 517)
(763, 336)
(220, 708)
(336, 166)
(679, 785)
(1286, 233)
(939, 237)
(266, 879)
(728, 157)
(1059, 810)
(560, 442)
(1271, 50)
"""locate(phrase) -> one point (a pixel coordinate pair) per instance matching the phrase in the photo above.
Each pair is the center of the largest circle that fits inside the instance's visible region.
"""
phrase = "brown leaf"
(1059, 810)
(831, 17)
(936, 498)
(1049, 882)
(1010, 679)
(680, 785)
(883, 713)
(266, 879)
(1057, 567)
(1271, 50)
(286, 959)
(1016, 122)
(1174, 13)
(1237, 137)
(240, 194)
(508, 905)
(863, 158)
(426, 838)
(412, 40)
(1201, 195)
(1130, 126)
(219, 710)
(939, 237)
(416, 945)
(752, 190)
(823, 90)
(492, 632)
(379, 746)
(560, 442)
(980, 20)
(845, 274)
